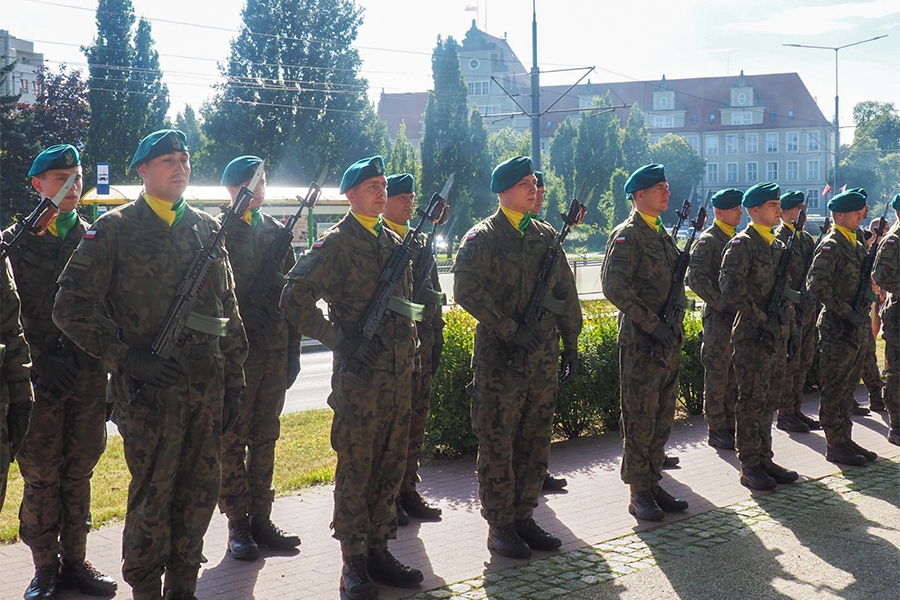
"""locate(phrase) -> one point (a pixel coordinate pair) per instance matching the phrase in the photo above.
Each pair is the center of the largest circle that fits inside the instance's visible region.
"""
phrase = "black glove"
(51, 368)
(17, 420)
(793, 347)
(110, 406)
(360, 348)
(231, 408)
(255, 318)
(856, 319)
(293, 366)
(152, 369)
(569, 364)
(663, 335)
(527, 338)
(770, 331)
(436, 351)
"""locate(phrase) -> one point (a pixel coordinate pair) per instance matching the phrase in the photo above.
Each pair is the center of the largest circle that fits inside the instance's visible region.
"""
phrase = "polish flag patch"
(735, 243)
(890, 241)
(318, 244)
(620, 240)
(701, 243)
(826, 248)
(90, 234)
(471, 236)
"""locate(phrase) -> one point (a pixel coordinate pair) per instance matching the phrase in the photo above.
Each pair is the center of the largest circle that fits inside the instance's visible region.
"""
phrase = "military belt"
(434, 297)
(686, 303)
(407, 309)
(217, 326)
(33, 324)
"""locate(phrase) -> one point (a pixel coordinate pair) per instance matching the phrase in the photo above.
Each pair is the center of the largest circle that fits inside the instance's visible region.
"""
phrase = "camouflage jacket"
(636, 275)
(343, 267)
(130, 264)
(703, 273)
(247, 248)
(749, 271)
(432, 325)
(801, 257)
(886, 274)
(833, 278)
(495, 271)
(15, 359)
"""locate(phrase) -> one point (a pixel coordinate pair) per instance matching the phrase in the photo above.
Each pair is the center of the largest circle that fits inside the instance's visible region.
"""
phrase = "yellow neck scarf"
(399, 229)
(62, 224)
(251, 217)
(788, 224)
(518, 220)
(767, 233)
(847, 233)
(170, 212)
(372, 224)
(728, 229)
(654, 222)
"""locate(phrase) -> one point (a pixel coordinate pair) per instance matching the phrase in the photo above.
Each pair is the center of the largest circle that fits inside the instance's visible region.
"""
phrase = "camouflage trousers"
(871, 374)
(759, 367)
(173, 458)
(648, 391)
(719, 383)
(370, 434)
(512, 417)
(5, 457)
(891, 327)
(65, 440)
(843, 349)
(420, 400)
(795, 371)
(248, 450)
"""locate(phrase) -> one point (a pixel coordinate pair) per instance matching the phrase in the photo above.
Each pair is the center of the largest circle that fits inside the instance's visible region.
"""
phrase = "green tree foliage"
(188, 123)
(879, 121)
(562, 155)
(507, 143)
(60, 114)
(17, 150)
(873, 160)
(404, 157)
(597, 155)
(635, 141)
(149, 97)
(684, 170)
(614, 204)
(484, 202)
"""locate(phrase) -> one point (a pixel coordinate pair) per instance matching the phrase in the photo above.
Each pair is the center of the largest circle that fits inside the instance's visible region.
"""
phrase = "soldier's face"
(259, 194)
(167, 176)
(653, 201)
(538, 201)
(730, 216)
(789, 216)
(520, 197)
(399, 208)
(767, 214)
(369, 197)
(851, 220)
(50, 182)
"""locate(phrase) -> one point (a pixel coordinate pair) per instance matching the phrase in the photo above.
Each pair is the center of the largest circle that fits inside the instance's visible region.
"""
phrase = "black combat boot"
(756, 478)
(810, 422)
(845, 454)
(867, 454)
(721, 438)
(83, 577)
(667, 501)
(173, 595)
(416, 507)
(792, 423)
(554, 484)
(44, 584)
(356, 583)
(536, 538)
(240, 541)
(644, 507)
(779, 473)
(506, 542)
(266, 533)
(893, 436)
(859, 410)
(671, 462)
(402, 516)
(386, 569)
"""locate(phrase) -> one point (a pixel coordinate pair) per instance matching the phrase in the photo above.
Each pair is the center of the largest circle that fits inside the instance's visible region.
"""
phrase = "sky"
(622, 41)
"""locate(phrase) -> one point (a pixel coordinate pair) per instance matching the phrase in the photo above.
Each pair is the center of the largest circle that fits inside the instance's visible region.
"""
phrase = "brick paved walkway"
(601, 541)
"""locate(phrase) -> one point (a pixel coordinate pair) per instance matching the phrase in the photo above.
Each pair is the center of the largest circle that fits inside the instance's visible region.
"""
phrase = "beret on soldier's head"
(540, 178)
(164, 141)
(849, 201)
(860, 191)
(727, 199)
(401, 183)
(895, 203)
(510, 172)
(791, 200)
(239, 170)
(645, 177)
(361, 170)
(59, 156)
(760, 194)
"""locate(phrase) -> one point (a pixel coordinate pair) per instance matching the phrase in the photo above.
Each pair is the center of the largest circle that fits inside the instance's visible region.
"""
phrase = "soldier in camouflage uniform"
(68, 425)
(16, 395)
(833, 280)
(495, 273)
(761, 341)
(871, 374)
(370, 386)
(171, 413)
(398, 210)
(790, 415)
(719, 383)
(636, 276)
(886, 274)
(272, 366)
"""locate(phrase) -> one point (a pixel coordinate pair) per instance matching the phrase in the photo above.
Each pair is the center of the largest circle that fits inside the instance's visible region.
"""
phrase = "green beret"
(645, 177)
(360, 171)
(240, 170)
(760, 194)
(849, 201)
(60, 156)
(791, 200)
(164, 141)
(402, 183)
(540, 178)
(727, 199)
(508, 173)
(895, 204)
(859, 191)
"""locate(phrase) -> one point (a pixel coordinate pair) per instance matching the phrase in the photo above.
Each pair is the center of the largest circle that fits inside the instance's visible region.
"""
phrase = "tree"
(149, 96)
(187, 122)
(17, 150)
(483, 201)
(404, 158)
(562, 155)
(879, 121)
(635, 141)
(596, 154)
(507, 143)
(684, 170)
(60, 114)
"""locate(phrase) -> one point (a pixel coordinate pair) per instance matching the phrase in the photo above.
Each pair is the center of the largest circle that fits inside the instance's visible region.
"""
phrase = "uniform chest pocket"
(506, 267)
(145, 268)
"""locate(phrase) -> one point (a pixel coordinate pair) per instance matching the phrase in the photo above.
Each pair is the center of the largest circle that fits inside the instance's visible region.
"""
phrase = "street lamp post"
(837, 130)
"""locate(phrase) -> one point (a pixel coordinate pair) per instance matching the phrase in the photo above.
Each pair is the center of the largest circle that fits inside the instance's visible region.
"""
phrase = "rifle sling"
(557, 307)
(433, 297)
(793, 295)
(405, 308)
(209, 325)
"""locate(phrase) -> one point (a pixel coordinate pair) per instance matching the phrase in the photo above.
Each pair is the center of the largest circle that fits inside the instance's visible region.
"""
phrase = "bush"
(690, 374)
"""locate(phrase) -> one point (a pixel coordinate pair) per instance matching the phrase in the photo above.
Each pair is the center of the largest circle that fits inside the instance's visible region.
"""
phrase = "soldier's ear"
(38, 184)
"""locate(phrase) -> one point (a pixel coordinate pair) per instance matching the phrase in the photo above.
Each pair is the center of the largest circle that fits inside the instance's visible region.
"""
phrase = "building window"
(752, 143)
(480, 88)
(812, 141)
(693, 119)
(772, 170)
(790, 114)
(473, 64)
(752, 172)
(793, 170)
(663, 122)
(664, 102)
(741, 118)
(812, 198)
(712, 173)
(772, 142)
(712, 144)
(792, 140)
(731, 172)
(694, 142)
(494, 109)
(712, 117)
(731, 144)
(812, 170)
(742, 97)
(654, 139)
(772, 116)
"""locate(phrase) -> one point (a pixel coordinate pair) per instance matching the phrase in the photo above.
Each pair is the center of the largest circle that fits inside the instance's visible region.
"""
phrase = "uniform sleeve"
(569, 323)
(886, 271)
(16, 366)
(617, 281)
(294, 337)
(307, 283)
(703, 276)
(234, 345)
(820, 281)
(733, 282)
(471, 271)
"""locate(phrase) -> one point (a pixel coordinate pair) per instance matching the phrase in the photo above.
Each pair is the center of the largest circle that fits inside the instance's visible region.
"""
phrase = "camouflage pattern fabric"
(886, 274)
(870, 373)
(495, 271)
(635, 277)
(719, 383)
(833, 280)
(749, 271)
(129, 265)
(370, 430)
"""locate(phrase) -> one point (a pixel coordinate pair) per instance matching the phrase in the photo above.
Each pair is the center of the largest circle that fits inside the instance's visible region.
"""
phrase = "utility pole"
(535, 94)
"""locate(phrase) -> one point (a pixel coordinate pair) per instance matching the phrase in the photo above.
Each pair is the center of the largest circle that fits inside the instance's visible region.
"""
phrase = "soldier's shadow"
(236, 578)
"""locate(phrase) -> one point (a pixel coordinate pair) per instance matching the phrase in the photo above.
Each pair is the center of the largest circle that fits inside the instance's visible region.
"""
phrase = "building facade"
(23, 79)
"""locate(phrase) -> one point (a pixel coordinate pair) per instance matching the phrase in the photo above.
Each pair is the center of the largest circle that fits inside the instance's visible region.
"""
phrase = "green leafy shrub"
(690, 373)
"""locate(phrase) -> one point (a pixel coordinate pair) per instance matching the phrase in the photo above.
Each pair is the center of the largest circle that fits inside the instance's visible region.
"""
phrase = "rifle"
(39, 218)
(779, 290)
(426, 260)
(573, 217)
(864, 294)
(171, 337)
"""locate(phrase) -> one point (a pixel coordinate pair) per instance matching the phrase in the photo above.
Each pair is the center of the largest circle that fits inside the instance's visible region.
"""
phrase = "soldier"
(719, 384)
(272, 366)
(637, 272)
(513, 400)
(886, 274)
(761, 341)
(16, 395)
(370, 386)
(833, 280)
(790, 413)
(871, 374)
(398, 210)
(129, 265)
(68, 424)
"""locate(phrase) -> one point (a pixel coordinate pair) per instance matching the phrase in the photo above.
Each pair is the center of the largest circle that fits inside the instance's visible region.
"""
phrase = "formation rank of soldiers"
(198, 322)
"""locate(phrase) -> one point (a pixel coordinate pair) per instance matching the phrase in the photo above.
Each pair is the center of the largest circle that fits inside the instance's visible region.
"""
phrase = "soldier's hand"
(569, 364)
(663, 335)
(793, 347)
(17, 420)
(360, 348)
(293, 366)
(149, 368)
(856, 319)
(255, 318)
(527, 338)
(436, 351)
(770, 331)
(53, 369)
(231, 408)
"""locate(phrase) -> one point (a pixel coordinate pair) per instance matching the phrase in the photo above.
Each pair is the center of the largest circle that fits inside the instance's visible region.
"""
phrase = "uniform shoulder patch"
(701, 243)
(472, 235)
(826, 248)
(735, 243)
(318, 243)
(621, 240)
(90, 234)
(890, 241)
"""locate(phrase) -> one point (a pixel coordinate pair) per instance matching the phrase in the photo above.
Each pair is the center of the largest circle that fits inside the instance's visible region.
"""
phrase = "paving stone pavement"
(605, 552)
